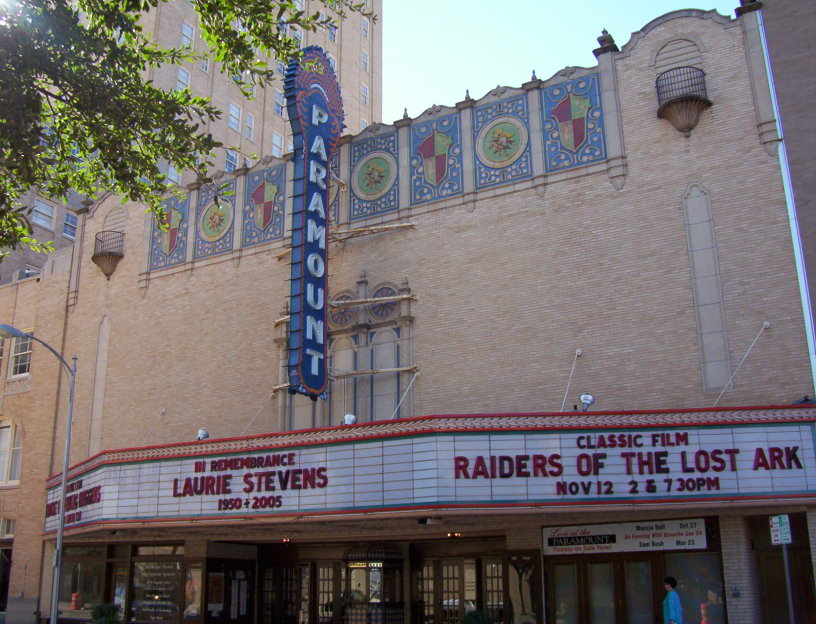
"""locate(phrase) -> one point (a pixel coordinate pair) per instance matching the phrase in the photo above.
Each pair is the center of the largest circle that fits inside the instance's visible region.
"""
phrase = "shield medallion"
(263, 198)
(571, 114)
(434, 152)
(169, 238)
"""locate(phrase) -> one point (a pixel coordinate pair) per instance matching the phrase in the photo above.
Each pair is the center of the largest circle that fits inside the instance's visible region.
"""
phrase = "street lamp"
(7, 331)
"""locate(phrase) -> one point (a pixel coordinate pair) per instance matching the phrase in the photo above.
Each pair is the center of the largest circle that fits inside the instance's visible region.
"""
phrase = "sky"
(433, 50)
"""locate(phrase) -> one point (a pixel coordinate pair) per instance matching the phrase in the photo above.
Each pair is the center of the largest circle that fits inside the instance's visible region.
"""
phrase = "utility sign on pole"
(780, 530)
(781, 534)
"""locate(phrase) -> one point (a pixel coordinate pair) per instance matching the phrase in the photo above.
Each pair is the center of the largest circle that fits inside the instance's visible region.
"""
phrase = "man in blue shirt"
(672, 611)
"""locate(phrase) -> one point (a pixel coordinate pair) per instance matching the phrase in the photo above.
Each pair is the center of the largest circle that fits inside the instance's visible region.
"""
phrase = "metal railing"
(110, 242)
(681, 82)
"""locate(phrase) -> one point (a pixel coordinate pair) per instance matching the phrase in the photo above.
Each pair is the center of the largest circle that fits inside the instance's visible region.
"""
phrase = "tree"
(79, 112)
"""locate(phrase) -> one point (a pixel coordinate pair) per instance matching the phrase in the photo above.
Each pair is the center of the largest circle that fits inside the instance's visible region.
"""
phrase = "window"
(364, 27)
(332, 32)
(280, 104)
(290, 146)
(363, 94)
(42, 214)
(249, 126)
(6, 527)
(363, 124)
(187, 35)
(29, 271)
(281, 67)
(182, 79)
(20, 356)
(364, 60)
(234, 117)
(2, 352)
(69, 225)
(10, 455)
(173, 174)
(205, 65)
(298, 37)
(277, 145)
(232, 161)
(332, 63)
(283, 27)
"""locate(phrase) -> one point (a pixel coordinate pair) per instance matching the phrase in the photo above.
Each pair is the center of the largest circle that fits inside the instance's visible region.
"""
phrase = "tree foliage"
(80, 113)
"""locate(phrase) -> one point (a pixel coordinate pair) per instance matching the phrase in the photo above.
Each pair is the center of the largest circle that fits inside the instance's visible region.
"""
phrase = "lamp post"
(7, 331)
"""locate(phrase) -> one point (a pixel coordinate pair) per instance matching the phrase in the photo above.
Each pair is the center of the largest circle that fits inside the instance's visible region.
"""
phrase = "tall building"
(564, 334)
(249, 128)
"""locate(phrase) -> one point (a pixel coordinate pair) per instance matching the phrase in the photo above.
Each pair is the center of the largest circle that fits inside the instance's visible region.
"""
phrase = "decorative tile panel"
(436, 159)
(374, 176)
(264, 212)
(215, 220)
(334, 187)
(573, 124)
(501, 139)
(169, 247)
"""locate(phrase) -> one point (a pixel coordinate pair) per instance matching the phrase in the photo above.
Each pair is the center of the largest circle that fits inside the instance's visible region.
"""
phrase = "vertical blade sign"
(316, 114)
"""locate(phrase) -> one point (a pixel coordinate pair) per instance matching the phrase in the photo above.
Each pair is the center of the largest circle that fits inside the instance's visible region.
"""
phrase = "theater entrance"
(607, 589)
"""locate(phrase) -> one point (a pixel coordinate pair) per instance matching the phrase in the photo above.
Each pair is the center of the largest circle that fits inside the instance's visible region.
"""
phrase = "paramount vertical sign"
(316, 114)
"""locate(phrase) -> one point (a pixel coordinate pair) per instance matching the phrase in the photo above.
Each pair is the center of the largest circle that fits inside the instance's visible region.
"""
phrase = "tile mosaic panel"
(169, 247)
(573, 124)
(215, 220)
(374, 176)
(264, 212)
(436, 159)
(501, 140)
(334, 187)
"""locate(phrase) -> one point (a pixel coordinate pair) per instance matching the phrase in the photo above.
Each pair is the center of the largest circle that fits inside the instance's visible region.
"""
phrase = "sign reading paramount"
(384, 472)
(316, 115)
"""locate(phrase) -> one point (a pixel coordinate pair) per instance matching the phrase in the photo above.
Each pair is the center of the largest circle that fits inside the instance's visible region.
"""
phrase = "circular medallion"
(386, 309)
(342, 317)
(374, 176)
(214, 221)
(501, 142)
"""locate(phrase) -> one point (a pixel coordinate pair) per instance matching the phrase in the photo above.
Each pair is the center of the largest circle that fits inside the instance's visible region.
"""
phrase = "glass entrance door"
(601, 590)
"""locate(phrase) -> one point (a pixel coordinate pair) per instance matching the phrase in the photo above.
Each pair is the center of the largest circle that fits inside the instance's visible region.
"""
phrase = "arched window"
(10, 452)
(343, 392)
(385, 387)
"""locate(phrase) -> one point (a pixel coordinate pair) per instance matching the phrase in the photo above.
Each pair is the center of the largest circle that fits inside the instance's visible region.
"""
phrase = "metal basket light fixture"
(682, 97)
(109, 249)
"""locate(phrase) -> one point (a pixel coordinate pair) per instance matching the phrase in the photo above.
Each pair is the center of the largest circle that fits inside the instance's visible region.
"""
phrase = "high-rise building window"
(43, 214)
(6, 527)
(363, 94)
(234, 117)
(277, 145)
(20, 362)
(332, 32)
(299, 5)
(364, 60)
(364, 27)
(280, 104)
(187, 35)
(10, 453)
(69, 225)
(205, 65)
(332, 62)
(363, 124)
(249, 126)
(298, 37)
(281, 67)
(232, 161)
(182, 79)
(173, 174)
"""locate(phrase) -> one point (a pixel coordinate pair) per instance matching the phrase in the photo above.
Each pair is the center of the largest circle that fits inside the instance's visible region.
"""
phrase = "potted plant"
(105, 613)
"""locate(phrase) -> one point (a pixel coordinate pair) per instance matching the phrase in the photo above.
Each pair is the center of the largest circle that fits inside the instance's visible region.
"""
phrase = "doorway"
(620, 589)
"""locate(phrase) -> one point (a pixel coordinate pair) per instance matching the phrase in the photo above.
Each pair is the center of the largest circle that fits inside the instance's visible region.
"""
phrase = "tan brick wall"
(739, 571)
(509, 283)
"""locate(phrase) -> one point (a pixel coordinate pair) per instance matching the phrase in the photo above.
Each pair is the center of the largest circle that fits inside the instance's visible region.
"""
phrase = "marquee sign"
(657, 465)
(316, 115)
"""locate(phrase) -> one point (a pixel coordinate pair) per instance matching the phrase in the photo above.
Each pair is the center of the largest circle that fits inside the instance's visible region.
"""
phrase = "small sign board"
(780, 530)
(625, 537)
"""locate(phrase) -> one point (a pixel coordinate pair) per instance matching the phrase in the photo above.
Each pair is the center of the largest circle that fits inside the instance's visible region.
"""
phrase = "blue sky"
(435, 49)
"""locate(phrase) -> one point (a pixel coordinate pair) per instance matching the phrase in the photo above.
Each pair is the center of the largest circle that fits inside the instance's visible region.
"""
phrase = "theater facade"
(545, 312)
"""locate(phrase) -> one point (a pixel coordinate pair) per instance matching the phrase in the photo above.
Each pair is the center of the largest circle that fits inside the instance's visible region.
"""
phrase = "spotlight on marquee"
(203, 434)
(586, 401)
(349, 419)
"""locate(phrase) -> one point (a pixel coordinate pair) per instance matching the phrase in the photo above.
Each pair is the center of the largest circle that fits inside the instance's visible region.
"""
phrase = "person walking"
(672, 611)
